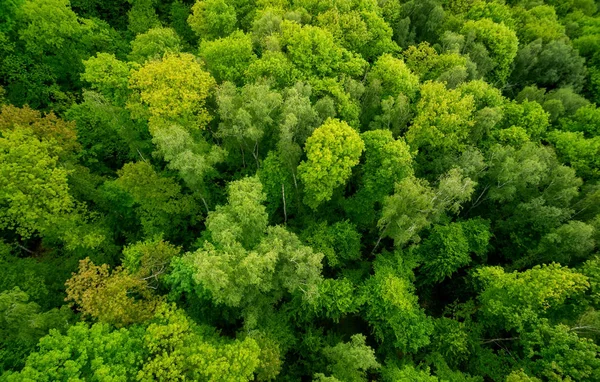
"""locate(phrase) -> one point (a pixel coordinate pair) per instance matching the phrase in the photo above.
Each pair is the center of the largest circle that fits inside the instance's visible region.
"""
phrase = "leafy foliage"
(35, 191)
(107, 296)
(332, 150)
(174, 87)
(348, 190)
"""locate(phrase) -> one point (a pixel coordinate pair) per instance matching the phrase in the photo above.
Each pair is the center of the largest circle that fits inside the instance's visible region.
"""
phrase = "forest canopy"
(300, 190)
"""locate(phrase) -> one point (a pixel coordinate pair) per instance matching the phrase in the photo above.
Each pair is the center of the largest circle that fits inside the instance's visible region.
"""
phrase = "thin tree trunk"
(25, 249)
(243, 157)
(284, 206)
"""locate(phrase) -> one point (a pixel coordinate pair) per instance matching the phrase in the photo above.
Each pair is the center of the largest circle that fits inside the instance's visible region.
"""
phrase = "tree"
(590, 270)
(564, 102)
(577, 151)
(298, 119)
(350, 361)
(262, 190)
(248, 279)
(415, 205)
(340, 242)
(314, 51)
(320, 377)
(585, 120)
(8, 12)
(332, 150)
(177, 348)
(169, 347)
(266, 23)
(339, 98)
(247, 264)
(174, 88)
(393, 77)
(450, 67)
(408, 372)
(34, 192)
(28, 81)
(386, 162)
(538, 22)
(188, 153)
(498, 41)
(528, 115)
(525, 173)
(28, 275)
(95, 352)
(443, 122)
(247, 115)
(142, 16)
(393, 311)
(51, 25)
(106, 131)
(153, 44)
(179, 13)
(280, 184)
(449, 248)
(158, 201)
(568, 243)
(515, 300)
(445, 373)
(107, 75)
(551, 65)
(337, 299)
(452, 343)
(228, 58)
(276, 67)
(55, 41)
(243, 219)
(22, 324)
(388, 79)
(497, 12)
(62, 134)
(108, 296)
(556, 352)
(520, 376)
(212, 19)
(419, 21)
(364, 32)
(149, 259)
(534, 191)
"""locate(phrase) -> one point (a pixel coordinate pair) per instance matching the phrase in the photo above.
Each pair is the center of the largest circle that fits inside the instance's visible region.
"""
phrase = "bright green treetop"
(332, 150)
(512, 300)
(34, 190)
(175, 87)
(211, 19)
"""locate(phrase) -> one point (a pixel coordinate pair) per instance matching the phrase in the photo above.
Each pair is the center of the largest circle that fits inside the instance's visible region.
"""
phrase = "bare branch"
(498, 340)
(25, 249)
(284, 207)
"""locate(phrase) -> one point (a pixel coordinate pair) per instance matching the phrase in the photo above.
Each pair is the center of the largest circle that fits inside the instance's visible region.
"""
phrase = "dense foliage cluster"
(300, 190)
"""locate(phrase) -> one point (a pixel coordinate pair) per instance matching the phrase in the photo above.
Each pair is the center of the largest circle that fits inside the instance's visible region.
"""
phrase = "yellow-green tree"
(109, 296)
(34, 189)
(174, 88)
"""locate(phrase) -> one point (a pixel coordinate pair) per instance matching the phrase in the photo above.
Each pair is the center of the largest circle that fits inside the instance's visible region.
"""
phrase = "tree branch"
(25, 249)
(498, 340)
